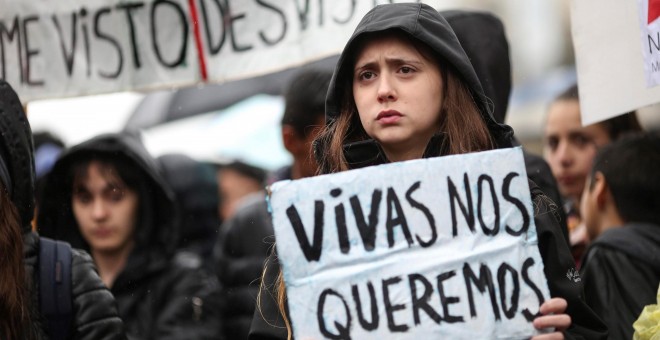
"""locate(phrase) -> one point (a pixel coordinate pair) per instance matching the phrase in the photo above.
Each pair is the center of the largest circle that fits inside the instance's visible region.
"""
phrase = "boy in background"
(620, 206)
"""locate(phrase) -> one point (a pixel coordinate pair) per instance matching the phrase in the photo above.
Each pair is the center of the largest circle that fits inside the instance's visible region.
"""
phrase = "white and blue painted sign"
(443, 247)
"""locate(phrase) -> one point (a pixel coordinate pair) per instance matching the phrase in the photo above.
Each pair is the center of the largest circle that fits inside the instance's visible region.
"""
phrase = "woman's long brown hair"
(14, 300)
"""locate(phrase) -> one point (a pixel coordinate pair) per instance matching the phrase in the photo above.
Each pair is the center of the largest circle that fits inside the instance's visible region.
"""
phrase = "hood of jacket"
(16, 151)
(156, 233)
(425, 24)
(484, 40)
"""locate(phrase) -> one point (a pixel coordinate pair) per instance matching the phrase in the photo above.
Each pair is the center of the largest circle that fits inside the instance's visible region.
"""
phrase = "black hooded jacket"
(483, 38)
(159, 296)
(621, 273)
(94, 314)
(425, 24)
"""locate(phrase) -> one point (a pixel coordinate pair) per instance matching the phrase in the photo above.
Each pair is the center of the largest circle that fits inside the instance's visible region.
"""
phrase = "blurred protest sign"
(617, 51)
(78, 47)
(438, 248)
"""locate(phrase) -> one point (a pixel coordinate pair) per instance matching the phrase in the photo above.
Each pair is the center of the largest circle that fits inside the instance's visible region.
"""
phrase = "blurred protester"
(47, 148)
(106, 195)
(483, 38)
(620, 204)
(196, 189)
(570, 148)
(93, 309)
(236, 180)
(245, 239)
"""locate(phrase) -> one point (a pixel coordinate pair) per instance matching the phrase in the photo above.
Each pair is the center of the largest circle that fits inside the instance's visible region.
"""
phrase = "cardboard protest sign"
(617, 51)
(78, 47)
(437, 248)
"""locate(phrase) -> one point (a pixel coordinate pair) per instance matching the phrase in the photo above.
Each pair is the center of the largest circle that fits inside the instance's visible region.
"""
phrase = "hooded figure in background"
(106, 195)
(196, 188)
(483, 38)
(466, 125)
(94, 311)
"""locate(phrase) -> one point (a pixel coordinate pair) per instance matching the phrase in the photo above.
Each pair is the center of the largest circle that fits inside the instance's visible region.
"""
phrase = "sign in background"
(617, 51)
(437, 248)
(74, 47)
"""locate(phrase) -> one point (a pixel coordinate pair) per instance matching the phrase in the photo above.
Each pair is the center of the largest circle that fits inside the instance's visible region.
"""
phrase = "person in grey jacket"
(107, 195)
(94, 311)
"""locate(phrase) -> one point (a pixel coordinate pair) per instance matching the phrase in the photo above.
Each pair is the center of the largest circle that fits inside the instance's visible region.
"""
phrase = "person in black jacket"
(106, 195)
(94, 311)
(404, 89)
(246, 238)
(196, 189)
(621, 268)
(483, 38)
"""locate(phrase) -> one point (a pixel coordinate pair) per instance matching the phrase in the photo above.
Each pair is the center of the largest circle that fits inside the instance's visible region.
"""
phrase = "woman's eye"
(581, 140)
(116, 195)
(366, 75)
(406, 69)
(82, 197)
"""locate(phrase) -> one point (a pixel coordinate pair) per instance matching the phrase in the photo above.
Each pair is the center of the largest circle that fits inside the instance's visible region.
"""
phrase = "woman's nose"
(565, 154)
(386, 91)
(99, 210)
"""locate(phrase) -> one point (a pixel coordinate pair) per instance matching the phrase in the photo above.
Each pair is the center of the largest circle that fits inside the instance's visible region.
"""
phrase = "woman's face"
(570, 148)
(105, 209)
(398, 95)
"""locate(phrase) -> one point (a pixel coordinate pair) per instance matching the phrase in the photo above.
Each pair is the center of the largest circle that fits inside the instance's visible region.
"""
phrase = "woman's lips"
(388, 117)
(102, 232)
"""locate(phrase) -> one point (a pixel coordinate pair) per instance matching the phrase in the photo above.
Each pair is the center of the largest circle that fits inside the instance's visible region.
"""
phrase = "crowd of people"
(173, 248)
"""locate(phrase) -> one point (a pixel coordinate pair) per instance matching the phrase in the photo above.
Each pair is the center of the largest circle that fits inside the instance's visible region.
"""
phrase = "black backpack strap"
(55, 287)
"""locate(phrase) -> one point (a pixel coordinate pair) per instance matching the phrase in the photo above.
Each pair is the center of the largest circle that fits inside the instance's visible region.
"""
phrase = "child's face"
(398, 94)
(570, 148)
(105, 209)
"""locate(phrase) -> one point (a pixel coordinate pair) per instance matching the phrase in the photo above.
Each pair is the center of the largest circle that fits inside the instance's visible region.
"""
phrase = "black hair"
(630, 167)
(616, 127)
(305, 99)
(253, 172)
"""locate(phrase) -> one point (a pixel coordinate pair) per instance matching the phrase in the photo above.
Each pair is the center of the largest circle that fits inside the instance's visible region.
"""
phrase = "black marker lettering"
(445, 300)
(367, 231)
(507, 196)
(483, 282)
(496, 206)
(393, 204)
(103, 36)
(468, 213)
(427, 214)
(266, 40)
(389, 308)
(343, 331)
(184, 26)
(422, 302)
(69, 56)
(367, 325)
(312, 252)
(505, 268)
(129, 7)
(29, 52)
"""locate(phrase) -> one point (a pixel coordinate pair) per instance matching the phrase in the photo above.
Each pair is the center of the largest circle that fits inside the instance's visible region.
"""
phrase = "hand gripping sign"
(437, 248)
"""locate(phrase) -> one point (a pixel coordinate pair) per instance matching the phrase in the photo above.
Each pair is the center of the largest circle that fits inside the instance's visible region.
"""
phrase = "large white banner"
(617, 51)
(442, 248)
(77, 47)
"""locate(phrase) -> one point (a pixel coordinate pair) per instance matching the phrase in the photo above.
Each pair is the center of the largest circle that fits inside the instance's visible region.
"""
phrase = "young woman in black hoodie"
(106, 195)
(404, 89)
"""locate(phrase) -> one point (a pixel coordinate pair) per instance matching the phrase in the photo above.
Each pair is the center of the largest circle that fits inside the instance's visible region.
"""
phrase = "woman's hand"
(552, 316)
